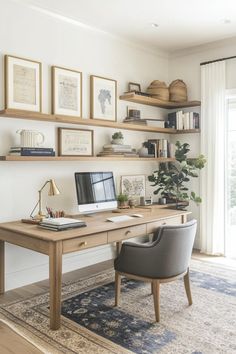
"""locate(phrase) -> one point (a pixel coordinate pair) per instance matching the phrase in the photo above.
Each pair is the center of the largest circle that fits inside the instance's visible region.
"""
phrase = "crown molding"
(204, 47)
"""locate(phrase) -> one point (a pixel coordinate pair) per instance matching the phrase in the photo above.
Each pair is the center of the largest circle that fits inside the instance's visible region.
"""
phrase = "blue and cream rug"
(91, 324)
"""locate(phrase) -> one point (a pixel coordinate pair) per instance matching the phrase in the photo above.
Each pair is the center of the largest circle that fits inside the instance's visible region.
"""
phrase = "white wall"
(185, 65)
(27, 33)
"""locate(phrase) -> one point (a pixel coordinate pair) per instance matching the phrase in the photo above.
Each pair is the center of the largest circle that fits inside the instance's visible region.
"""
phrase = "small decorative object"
(103, 95)
(148, 201)
(133, 186)
(178, 91)
(133, 86)
(132, 203)
(143, 152)
(75, 142)
(30, 138)
(53, 190)
(23, 84)
(118, 138)
(142, 201)
(123, 201)
(162, 201)
(66, 92)
(171, 179)
(158, 89)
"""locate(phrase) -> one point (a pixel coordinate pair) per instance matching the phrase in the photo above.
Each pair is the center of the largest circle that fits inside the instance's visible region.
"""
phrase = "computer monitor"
(95, 191)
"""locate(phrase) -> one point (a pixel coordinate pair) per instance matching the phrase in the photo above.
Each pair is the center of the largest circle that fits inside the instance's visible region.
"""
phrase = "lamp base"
(30, 221)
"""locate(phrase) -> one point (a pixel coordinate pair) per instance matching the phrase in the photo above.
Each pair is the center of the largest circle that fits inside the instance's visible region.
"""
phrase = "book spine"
(36, 149)
(37, 153)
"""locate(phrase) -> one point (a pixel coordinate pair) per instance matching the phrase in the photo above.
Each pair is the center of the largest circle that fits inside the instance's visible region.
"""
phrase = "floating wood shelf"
(14, 113)
(150, 101)
(82, 158)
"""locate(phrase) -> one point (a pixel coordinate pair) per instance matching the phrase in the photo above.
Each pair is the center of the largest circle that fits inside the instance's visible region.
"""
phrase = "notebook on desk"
(61, 224)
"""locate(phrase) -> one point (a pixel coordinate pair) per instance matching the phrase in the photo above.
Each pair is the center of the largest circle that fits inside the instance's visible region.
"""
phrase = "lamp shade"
(53, 190)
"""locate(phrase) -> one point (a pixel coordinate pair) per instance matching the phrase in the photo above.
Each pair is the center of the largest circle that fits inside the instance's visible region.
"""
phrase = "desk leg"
(2, 267)
(118, 247)
(55, 277)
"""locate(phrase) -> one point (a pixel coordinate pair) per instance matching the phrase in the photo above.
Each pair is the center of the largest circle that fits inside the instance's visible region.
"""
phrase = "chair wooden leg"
(117, 288)
(156, 298)
(187, 287)
(152, 288)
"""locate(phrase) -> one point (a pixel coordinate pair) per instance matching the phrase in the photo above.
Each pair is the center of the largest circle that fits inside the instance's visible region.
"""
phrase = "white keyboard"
(120, 218)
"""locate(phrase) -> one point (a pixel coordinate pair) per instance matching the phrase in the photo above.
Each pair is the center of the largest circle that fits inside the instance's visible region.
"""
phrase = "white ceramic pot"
(30, 138)
(118, 141)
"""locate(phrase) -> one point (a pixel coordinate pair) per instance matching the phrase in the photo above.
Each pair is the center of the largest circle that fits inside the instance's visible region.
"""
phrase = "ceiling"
(181, 23)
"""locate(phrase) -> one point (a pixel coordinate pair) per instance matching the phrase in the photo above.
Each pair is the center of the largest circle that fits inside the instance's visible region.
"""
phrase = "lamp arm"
(31, 214)
(40, 197)
(39, 202)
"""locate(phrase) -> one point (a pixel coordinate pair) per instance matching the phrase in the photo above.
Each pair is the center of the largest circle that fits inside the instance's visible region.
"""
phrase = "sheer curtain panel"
(213, 127)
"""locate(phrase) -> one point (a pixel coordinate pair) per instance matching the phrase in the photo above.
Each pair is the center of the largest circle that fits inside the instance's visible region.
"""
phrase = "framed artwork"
(66, 92)
(133, 86)
(103, 95)
(23, 84)
(75, 142)
(133, 186)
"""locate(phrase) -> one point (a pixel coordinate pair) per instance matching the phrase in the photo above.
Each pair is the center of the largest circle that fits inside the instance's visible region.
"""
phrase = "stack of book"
(161, 148)
(31, 151)
(184, 121)
(118, 150)
(135, 120)
(61, 224)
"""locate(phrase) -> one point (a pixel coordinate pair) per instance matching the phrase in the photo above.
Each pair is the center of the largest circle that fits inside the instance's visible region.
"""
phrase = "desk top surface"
(95, 224)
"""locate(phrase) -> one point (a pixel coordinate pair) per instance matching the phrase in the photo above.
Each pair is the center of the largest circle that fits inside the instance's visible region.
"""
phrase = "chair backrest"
(173, 248)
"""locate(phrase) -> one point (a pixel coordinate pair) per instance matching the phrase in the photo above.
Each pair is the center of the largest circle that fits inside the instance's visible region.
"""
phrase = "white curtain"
(213, 123)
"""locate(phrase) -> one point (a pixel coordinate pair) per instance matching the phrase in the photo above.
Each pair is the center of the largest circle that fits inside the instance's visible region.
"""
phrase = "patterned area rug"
(91, 324)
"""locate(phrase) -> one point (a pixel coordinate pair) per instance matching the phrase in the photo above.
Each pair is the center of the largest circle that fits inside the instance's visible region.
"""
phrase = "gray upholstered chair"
(164, 259)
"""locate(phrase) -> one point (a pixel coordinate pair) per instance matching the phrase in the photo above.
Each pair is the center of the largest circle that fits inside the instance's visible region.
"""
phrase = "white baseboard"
(71, 262)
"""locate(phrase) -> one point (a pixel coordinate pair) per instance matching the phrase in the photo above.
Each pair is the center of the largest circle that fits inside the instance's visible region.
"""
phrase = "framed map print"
(103, 95)
(66, 92)
(133, 186)
(75, 142)
(23, 84)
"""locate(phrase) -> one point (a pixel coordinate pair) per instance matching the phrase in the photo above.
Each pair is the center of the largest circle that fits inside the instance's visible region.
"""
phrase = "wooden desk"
(98, 232)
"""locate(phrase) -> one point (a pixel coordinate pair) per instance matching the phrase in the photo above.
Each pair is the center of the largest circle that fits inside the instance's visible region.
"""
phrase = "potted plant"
(117, 138)
(123, 200)
(171, 179)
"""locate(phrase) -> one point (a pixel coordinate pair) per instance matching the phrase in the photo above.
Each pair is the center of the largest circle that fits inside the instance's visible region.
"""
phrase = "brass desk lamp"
(53, 190)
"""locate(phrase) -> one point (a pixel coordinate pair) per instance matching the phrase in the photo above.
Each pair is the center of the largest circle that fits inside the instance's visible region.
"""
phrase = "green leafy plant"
(117, 135)
(172, 178)
(121, 198)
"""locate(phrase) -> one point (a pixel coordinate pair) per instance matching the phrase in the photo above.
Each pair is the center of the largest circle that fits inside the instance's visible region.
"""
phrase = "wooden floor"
(12, 343)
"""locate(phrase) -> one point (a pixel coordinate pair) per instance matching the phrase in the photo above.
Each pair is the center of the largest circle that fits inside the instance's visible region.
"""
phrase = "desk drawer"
(152, 226)
(126, 232)
(80, 243)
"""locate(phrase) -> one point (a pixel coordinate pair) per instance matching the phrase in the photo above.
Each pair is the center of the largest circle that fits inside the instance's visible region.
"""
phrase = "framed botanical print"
(75, 142)
(66, 92)
(133, 186)
(103, 96)
(23, 84)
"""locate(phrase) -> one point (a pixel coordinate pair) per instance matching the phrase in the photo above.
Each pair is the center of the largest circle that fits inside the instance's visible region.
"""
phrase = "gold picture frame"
(22, 83)
(103, 98)
(75, 142)
(66, 92)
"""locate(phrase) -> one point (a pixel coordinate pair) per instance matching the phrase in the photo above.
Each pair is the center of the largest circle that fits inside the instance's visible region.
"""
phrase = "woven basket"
(158, 89)
(178, 91)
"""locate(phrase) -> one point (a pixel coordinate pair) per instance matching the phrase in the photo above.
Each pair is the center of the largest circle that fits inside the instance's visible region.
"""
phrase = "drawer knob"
(127, 232)
(83, 244)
